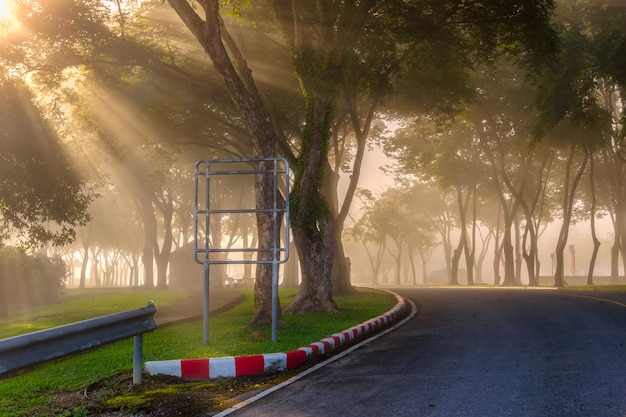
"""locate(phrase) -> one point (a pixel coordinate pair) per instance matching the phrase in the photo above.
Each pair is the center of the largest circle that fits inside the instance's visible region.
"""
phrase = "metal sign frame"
(205, 170)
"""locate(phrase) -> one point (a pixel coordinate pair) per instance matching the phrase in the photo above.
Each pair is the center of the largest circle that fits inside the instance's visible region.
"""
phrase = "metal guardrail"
(25, 351)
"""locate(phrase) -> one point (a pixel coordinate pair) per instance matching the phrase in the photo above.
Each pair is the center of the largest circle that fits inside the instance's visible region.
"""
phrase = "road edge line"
(314, 368)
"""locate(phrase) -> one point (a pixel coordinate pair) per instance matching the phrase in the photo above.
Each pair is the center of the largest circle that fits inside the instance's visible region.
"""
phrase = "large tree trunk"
(263, 288)
(237, 78)
(311, 216)
(316, 249)
(319, 65)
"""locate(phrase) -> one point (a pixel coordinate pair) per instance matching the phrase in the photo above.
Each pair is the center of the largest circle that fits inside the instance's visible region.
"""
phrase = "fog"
(438, 167)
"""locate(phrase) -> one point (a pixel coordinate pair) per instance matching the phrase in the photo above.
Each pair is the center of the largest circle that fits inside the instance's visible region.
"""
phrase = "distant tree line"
(28, 280)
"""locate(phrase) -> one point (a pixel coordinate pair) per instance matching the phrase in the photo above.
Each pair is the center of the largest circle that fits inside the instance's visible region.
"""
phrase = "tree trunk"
(398, 259)
(163, 256)
(509, 256)
(341, 277)
(518, 252)
(615, 251)
(411, 255)
(470, 253)
(150, 242)
(263, 289)
(424, 273)
(83, 267)
(291, 272)
(497, 250)
(462, 245)
(238, 81)
(316, 249)
(456, 257)
(594, 236)
(312, 219)
(341, 284)
(567, 206)
(375, 260)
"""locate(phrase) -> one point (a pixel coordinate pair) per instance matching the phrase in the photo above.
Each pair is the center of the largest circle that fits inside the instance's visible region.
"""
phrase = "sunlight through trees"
(508, 127)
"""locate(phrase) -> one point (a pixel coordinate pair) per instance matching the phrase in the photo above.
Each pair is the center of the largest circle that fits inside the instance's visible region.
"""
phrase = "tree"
(324, 39)
(42, 199)
(133, 107)
(333, 40)
(573, 99)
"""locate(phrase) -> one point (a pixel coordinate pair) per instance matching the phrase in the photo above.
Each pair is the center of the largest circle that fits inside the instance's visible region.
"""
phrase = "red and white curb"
(250, 365)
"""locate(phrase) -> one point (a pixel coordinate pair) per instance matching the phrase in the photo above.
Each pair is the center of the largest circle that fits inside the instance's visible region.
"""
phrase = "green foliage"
(591, 59)
(41, 198)
(31, 392)
(28, 280)
(233, 8)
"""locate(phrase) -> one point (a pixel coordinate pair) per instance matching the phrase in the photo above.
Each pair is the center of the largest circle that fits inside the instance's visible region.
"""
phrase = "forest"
(503, 121)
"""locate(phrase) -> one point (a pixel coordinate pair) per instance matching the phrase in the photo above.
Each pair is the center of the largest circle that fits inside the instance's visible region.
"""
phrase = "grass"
(31, 392)
(76, 305)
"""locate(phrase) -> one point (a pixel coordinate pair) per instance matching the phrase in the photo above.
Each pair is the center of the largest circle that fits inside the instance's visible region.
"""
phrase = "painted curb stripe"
(249, 365)
(229, 367)
(195, 368)
(274, 362)
(296, 358)
(222, 367)
(172, 367)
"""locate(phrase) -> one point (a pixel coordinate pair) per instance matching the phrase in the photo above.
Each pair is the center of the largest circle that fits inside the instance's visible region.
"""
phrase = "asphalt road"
(476, 352)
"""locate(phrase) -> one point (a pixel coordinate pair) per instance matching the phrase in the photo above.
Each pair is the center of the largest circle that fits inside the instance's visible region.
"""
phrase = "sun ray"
(6, 12)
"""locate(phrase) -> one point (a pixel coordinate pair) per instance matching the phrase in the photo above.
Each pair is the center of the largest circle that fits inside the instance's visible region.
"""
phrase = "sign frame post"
(205, 170)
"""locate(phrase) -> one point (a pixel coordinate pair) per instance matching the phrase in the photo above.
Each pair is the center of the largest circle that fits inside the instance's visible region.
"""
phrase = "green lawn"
(76, 305)
(30, 393)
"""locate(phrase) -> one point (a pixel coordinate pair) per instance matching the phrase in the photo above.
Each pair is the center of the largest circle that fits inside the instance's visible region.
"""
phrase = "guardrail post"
(138, 360)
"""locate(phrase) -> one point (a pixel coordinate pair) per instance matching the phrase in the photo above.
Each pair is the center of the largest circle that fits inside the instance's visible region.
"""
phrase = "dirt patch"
(116, 396)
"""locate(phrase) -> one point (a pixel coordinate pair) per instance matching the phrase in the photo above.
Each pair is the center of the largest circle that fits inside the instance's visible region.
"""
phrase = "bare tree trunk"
(497, 251)
(462, 244)
(163, 256)
(83, 267)
(340, 277)
(470, 253)
(567, 204)
(594, 236)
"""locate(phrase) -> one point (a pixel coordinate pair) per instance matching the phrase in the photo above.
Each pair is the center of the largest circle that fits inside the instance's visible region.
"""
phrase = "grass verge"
(76, 305)
(36, 392)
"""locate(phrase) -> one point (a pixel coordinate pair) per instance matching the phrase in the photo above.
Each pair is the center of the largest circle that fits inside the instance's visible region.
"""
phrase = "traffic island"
(272, 363)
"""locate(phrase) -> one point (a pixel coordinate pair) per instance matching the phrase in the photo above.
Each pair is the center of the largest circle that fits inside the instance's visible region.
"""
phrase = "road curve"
(475, 352)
